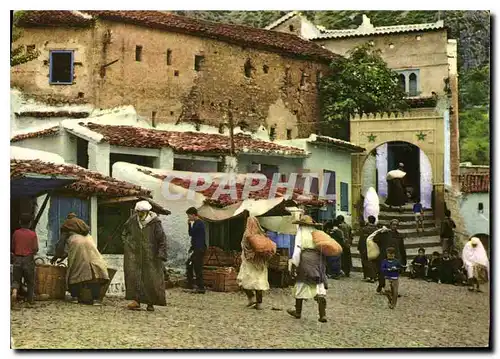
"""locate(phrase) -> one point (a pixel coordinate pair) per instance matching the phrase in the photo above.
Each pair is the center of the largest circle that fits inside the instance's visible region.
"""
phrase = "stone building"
(426, 137)
(174, 69)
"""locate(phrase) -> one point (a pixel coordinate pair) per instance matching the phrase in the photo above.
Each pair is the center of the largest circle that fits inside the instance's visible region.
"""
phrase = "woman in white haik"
(476, 263)
(310, 264)
(371, 206)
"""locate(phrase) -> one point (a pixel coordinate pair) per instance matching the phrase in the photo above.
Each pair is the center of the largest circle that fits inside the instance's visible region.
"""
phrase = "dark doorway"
(409, 155)
(138, 160)
(82, 153)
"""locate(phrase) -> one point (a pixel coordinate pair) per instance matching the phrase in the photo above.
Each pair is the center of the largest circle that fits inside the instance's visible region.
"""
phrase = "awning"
(259, 207)
(157, 208)
(34, 185)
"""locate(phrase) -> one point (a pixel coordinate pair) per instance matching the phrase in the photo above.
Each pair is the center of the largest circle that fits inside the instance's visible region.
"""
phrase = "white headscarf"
(371, 206)
(475, 255)
(143, 206)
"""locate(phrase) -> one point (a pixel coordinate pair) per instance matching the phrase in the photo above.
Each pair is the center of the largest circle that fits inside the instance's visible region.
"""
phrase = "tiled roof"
(281, 20)
(475, 183)
(381, 30)
(47, 114)
(337, 143)
(188, 142)
(53, 18)
(89, 183)
(43, 133)
(226, 200)
(287, 44)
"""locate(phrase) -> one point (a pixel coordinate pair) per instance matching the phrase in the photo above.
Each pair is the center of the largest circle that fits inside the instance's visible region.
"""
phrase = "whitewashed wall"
(425, 180)
(475, 222)
(382, 170)
(447, 149)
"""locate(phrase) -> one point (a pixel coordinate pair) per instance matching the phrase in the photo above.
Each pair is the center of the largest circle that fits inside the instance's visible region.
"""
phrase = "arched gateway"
(398, 139)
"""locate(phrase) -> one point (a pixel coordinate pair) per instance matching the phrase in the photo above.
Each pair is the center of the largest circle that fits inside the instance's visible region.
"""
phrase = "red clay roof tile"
(43, 133)
(475, 183)
(224, 200)
(89, 183)
(189, 142)
(287, 44)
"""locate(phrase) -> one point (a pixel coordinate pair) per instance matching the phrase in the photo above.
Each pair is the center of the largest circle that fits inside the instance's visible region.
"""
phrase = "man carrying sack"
(310, 265)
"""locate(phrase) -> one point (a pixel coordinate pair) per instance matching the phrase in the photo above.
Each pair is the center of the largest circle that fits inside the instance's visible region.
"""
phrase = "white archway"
(375, 168)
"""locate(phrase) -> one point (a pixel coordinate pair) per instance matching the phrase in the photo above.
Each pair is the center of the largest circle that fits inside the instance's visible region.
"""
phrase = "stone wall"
(453, 201)
(279, 91)
(426, 51)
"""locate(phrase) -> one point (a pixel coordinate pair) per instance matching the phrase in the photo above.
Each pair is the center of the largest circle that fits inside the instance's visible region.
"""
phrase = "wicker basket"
(50, 280)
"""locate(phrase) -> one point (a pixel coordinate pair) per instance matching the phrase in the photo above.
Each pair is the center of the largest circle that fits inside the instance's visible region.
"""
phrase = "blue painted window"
(344, 197)
(61, 67)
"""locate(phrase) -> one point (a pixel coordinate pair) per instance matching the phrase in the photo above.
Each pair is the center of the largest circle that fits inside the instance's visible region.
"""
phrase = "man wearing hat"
(310, 265)
(145, 250)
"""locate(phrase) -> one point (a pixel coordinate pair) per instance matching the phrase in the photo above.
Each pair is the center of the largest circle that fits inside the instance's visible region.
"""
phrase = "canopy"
(260, 207)
(34, 185)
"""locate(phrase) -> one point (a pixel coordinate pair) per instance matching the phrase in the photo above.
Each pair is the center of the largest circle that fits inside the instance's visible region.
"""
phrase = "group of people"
(448, 268)
(145, 253)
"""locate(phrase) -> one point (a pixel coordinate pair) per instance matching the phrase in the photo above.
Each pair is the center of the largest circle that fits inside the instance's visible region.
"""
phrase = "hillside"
(471, 29)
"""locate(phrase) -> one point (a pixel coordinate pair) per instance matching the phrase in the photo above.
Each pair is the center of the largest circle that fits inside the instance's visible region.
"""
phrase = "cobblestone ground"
(427, 315)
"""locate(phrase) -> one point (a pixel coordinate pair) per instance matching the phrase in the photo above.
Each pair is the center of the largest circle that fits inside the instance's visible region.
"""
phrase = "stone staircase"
(429, 239)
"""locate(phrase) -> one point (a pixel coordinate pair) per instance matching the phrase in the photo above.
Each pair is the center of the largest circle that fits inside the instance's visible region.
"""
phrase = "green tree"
(20, 55)
(359, 83)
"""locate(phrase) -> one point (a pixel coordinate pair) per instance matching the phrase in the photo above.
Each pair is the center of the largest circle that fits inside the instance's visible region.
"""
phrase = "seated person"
(457, 265)
(419, 265)
(446, 269)
(433, 269)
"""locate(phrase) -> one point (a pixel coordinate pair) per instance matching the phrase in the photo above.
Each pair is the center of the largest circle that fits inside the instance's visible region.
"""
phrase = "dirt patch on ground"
(427, 315)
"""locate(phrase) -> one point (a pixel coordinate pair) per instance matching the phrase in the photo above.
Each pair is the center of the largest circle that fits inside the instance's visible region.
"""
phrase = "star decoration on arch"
(421, 136)
(371, 137)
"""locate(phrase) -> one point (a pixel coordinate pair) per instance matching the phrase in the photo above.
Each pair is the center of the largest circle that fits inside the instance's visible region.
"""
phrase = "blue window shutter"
(59, 209)
(344, 197)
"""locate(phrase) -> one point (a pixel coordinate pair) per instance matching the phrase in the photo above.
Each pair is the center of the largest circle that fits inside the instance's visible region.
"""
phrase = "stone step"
(411, 252)
(413, 241)
(403, 217)
(412, 233)
(429, 223)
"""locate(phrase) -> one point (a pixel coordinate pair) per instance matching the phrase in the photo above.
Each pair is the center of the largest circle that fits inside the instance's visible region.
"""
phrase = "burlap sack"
(262, 244)
(326, 244)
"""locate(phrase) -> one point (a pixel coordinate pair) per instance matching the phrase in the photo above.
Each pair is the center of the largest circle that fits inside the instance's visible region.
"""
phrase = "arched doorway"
(386, 157)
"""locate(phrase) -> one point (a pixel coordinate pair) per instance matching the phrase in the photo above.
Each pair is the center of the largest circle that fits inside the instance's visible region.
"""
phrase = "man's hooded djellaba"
(145, 249)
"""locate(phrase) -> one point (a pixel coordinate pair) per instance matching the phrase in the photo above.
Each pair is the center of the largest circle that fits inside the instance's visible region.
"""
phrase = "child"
(419, 265)
(446, 269)
(24, 248)
(390, 269)
(433, 270)
(448, 231)
(458, 268)
(418, 211)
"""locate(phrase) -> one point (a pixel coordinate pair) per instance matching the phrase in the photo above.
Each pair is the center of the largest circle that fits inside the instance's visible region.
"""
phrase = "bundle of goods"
(262, 245)
(225, 280)
(50, 281)
(215, 256)
(279, 261)
(372, 249)
(326, 244)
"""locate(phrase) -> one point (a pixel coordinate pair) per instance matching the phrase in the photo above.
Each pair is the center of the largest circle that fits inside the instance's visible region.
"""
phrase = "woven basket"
(50, 280)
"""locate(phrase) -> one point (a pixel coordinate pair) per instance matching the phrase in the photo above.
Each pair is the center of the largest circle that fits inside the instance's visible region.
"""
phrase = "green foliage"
(475, 135)
(18, 54)
(474, 87)
(360, 83)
